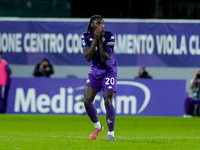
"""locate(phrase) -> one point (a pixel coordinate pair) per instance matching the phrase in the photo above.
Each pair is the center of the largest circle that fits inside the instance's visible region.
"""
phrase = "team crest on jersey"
(103, 39)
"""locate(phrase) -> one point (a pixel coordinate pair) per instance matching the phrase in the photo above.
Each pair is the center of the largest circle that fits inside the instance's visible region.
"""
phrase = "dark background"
(164, 9)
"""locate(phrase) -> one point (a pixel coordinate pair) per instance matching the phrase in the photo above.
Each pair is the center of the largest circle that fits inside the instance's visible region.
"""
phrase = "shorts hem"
(94, 87)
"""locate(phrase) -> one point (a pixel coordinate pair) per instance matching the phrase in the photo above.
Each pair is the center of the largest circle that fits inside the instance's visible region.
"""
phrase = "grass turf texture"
(72, 132)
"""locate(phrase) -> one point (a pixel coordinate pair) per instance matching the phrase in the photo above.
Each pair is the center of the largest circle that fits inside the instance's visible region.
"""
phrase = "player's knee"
(107, 101)
(108, 97)
(87, 102)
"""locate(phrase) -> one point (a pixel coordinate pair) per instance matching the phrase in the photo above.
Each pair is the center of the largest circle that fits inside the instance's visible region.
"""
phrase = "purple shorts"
(106, 82)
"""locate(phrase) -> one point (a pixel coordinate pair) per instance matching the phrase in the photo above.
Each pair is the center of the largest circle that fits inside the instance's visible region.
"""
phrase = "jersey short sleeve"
(85, 40)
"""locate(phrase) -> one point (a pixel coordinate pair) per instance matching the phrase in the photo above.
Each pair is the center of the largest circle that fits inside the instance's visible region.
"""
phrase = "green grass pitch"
(55, 132)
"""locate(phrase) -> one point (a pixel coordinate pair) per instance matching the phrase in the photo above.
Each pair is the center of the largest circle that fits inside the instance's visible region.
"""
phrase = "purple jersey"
(108, 42)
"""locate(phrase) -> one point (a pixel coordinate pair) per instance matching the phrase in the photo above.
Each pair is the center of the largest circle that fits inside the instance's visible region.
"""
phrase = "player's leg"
(89, 95)
(109, 88)
(92, 87)
(110, 114)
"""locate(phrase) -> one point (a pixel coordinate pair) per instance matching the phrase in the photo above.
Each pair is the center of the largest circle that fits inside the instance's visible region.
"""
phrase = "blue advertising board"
(137, 97)
(138, 42)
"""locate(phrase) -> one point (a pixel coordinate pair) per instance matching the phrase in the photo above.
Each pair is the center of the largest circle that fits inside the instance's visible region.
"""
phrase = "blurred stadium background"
(61, 132)
(163, 9)
(146, 9)
(128, 9)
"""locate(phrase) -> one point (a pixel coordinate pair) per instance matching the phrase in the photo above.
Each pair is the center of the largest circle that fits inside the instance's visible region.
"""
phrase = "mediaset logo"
(68, 100)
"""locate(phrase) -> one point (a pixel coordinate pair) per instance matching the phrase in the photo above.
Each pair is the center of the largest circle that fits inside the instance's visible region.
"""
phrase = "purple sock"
(92, 113)
(110, 117)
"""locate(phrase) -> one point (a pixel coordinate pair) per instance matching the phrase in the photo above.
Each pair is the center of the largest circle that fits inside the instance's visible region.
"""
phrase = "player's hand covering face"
(98, 28)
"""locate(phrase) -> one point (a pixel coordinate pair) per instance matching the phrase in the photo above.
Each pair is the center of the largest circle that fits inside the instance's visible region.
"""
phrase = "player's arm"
(89, 51)
(103, 54)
